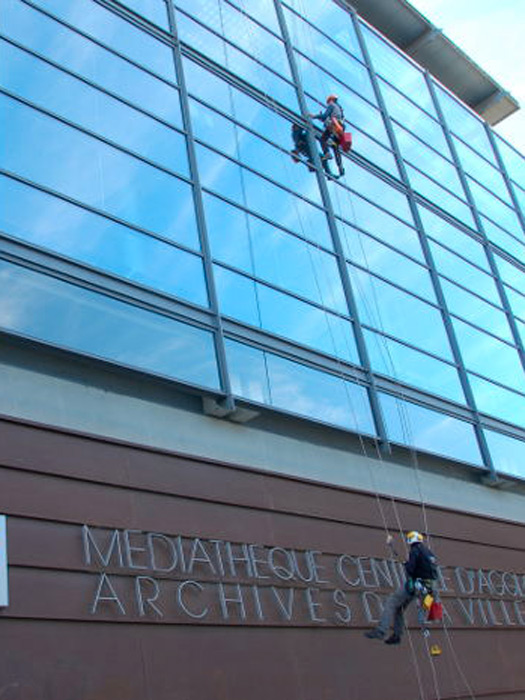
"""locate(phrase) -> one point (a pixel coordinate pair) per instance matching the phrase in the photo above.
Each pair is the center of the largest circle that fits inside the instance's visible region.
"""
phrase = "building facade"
(228, 376)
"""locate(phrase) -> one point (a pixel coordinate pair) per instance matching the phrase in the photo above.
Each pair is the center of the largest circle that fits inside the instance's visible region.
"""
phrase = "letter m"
(93, 552)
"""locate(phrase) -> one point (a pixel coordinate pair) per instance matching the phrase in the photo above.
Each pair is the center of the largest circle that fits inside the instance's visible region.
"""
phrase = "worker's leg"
(393, 610)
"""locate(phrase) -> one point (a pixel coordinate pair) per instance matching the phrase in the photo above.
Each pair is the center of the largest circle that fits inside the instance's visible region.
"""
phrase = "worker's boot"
(393, 639)
(374, 634)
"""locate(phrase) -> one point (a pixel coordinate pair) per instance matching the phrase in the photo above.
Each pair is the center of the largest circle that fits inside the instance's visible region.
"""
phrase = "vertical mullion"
(479, 223)
(338, 248)
(229, 403)
(505, 175)
(429, 260)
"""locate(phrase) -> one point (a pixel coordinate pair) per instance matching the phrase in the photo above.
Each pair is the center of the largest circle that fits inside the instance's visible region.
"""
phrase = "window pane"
(256, 247)
(153, 10)
(430, 431)
(443, 198)
(58, 43)
(87, 322)
(112, 30)
(488, 356)
(248, 373)
(494, 208)
(92, 109)
(378, 258)
(283, 315)
(392, 311)
(481, 170)
(473, 309)
(82, 167)
(497, 401)
(517, 302)
(508, 453)
(248, 189)
(412, 367)
(504, 240)
(55, 224)
(318, 395)
(453, 237)
(514, 162)
(511, 274)
(401, 72)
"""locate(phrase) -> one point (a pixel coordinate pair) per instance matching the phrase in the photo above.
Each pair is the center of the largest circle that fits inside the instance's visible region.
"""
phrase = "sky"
(492, 34)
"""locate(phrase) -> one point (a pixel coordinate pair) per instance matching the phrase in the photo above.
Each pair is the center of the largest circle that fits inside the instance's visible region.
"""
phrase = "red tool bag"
(435, 612)
(345, 141)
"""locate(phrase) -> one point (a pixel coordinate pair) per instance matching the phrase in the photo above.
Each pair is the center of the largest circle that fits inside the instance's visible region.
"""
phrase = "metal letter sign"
(4, 597)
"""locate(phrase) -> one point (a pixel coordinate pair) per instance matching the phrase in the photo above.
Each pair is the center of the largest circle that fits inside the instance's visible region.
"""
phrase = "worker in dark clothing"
(333, 119)
(301, 146)
(421, 572)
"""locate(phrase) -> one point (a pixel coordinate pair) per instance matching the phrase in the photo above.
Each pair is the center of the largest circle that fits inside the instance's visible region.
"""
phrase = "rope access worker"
(333, 119)
(421, 572)
(301, 146)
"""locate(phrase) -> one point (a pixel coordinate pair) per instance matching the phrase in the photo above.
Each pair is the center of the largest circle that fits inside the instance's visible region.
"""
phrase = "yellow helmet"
(414, 536)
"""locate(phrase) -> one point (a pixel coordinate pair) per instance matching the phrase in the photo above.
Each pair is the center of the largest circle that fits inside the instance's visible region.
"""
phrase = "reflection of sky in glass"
(503, 239)
(254, 246)
(412, 367)
(267, 378)
(283, 315)
(514, 162)
(497, 401)
(87, 322)
(109, 28)
(69, 230)
(481, 170)
(64, 159)
(489, 357)
(392, 311)
(428, 430)
(508, 453)
(440, 196)
(494, 208)
(84, 57)
(451, 265)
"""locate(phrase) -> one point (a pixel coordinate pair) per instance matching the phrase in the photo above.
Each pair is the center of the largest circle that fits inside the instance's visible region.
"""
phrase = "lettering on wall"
(157, 577)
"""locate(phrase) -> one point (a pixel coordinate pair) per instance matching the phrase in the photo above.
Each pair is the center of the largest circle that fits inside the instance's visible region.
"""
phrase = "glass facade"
(147, 187)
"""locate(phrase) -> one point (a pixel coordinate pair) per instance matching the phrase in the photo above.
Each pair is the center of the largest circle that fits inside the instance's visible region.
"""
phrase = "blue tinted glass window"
(409, 366)
(236, 25)
(392, 311)
(248, 189)
(57, 225)
(473, 309)
(83, 56)
(152, 10)
(462, 121)
(428, 430)
(514, 162)
(116, 32)
(240, 63)
(509, 243)
(440, 196)
(453, 237)
(329, 56)
(377, 222)
(481, 170)
(494, 208)
(332, 20)
(508, 453)
(256, 247)
(72, 99)
(284, 315)
(378, 258)
(510, 273)
(497, 401)
(397, 69)
(248, 372)
(262, 10)
(413, 118)
(318, 395)
(517, 302)
(87, 322)
(458, 269)
(59, 157)
(488, 356)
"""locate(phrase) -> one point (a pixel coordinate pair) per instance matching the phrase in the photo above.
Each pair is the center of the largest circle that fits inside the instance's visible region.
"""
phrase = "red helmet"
(331, 98)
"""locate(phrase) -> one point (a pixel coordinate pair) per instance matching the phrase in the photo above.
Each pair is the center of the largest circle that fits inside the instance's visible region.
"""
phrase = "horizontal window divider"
(450, 219)
(326, 36)
(408, 58)
(99, 212)
(494, 194)
(503, 229)
(378, 276)
(496, 382)
(169, 42)
(258, 173)
(387, 244)
(474, 150)
(433, 206)
(289, 350)
(410, 346)
(137, 19)
(471, 291)
(235, 46)
(98, 137)
(508, 429)
(460, 255)
(439, 184)
(275, 224)
(92, 280)
(424, 143)
(282, 290)
(241, 9)
(88, 269)
(96, 86)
